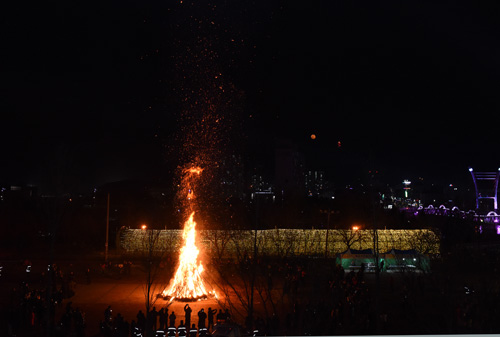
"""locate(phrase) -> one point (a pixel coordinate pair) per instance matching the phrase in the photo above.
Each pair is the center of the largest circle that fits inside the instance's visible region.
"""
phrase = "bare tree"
(153, 255)
(284, 242)
(235, 273)
(425, 241)
(218, 240)
(349, 237)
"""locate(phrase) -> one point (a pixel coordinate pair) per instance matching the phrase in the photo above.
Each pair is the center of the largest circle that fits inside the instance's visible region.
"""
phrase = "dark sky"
(103, 91)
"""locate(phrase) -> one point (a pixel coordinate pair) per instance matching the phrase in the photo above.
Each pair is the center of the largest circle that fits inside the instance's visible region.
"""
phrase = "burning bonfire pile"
(188, 284)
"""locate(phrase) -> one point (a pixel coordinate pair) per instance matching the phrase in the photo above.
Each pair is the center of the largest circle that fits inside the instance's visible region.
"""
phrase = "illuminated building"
(315, 183)
(406, 187)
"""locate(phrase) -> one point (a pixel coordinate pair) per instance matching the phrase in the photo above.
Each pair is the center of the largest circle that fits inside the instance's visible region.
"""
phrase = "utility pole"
(327, 229)
(107, 232)
(254, 262)
(374, 200)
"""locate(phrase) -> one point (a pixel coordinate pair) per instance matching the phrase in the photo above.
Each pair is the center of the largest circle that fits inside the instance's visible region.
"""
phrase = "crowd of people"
(317, 300)
(161, 323)
(311, 297)
(32, 305)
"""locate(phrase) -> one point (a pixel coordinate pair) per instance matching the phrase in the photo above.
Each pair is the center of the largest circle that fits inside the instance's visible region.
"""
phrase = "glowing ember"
(187, 284)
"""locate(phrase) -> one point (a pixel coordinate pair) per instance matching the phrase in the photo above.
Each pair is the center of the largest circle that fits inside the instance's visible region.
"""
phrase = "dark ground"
(324, 302)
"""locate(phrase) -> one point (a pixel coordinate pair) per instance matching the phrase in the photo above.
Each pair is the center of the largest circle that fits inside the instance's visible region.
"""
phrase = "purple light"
(498, 230)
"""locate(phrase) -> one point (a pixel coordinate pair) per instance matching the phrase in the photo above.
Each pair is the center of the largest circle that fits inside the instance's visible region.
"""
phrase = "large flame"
(187, 283)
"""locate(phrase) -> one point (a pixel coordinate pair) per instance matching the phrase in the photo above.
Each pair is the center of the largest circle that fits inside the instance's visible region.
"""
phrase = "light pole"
(107, 232)
(327, 228)
(254, 262)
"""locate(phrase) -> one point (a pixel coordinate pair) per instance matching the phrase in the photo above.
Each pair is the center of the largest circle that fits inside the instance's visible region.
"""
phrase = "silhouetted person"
(107, 314)
(163, 316)
(211, 314)
(79, 322)
(154, 318)
(220, 316)
(171, 331)
(118, 319)
(172, 319)
(187, 315)
(203, 332)
(135, 331)
(141, 320)
(182, 329)
(193, 331)
(202, 316)
(69, 309)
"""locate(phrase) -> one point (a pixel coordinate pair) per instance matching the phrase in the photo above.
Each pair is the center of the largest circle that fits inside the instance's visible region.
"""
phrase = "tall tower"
(486, 184)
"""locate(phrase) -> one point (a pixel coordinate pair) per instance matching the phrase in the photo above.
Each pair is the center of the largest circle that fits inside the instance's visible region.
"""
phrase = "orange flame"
(187, 283)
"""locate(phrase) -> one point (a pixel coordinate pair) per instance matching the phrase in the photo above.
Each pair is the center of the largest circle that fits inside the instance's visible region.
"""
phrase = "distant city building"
(260, 187)
(258, 183)
(232, 177)
(406, 188)
(289, 170)
(18, 192)
(315, 183)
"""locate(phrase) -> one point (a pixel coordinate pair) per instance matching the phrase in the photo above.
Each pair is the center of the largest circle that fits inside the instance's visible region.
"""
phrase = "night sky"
(94, 92)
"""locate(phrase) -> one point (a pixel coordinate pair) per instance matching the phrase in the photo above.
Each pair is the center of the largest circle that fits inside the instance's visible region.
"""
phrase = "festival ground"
(403, 303)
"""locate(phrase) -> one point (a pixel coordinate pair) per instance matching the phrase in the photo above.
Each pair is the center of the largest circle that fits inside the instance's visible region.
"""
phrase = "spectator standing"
(163, 315)
(182, 329)
(172, 319)
(193, 331)
(141, 320)
(154, 318)
(171, 331)
(202, 316)
(107, 314)
(187, 315)
(211, 314)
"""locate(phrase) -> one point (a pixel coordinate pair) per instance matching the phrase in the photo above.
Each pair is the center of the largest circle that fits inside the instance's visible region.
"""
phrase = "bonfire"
(188, 284)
